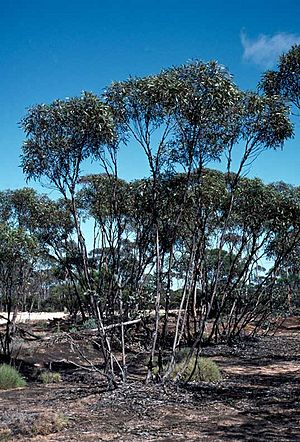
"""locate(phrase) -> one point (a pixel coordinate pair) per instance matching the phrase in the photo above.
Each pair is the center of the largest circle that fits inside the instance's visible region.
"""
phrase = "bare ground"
(257, 400)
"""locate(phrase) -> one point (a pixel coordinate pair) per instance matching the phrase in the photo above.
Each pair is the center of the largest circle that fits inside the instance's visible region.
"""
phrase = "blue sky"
(56, 49)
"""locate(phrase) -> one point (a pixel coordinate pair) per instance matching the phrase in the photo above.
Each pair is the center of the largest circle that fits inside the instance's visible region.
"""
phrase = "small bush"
(182, 354)
(73, 329)
(10, 378)
(47, 424)
(89, 324)
(203, 369)
(25, 425)
(50, 377)
(5, 434)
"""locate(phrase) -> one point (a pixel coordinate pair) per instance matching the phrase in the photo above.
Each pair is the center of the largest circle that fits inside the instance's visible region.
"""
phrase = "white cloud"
(265, 50)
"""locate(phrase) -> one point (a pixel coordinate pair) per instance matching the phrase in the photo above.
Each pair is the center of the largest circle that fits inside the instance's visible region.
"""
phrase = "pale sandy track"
(34, 316)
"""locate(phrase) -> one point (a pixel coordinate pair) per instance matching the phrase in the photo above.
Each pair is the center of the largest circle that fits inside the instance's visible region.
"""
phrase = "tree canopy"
(285, 80)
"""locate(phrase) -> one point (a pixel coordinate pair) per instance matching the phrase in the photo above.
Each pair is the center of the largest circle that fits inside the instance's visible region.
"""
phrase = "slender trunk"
(157, 308)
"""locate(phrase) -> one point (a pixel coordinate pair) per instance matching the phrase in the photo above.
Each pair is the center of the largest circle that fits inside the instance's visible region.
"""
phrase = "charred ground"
(257, 399)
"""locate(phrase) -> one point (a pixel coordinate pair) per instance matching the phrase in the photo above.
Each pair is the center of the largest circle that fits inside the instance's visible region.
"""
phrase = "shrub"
(26, 424)
(10, 378)
(182, 354)
(5, 434)
(203, 369)
(50, 377)
(73, 329)
(89, 324)
(47, 424)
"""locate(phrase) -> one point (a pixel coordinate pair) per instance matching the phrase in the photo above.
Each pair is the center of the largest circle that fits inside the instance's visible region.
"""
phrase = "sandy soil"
(24, 317)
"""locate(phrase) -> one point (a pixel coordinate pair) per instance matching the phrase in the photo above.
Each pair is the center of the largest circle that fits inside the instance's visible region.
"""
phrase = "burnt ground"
(258, 398)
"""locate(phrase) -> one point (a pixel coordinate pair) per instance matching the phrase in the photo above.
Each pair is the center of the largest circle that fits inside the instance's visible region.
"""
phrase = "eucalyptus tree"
(285, 80)
(49, 222)
(123, 256)
(60, 137)
(106, 199)
(169, 113)
(256, 123)
(264, 225)
(284, 247)
(18, 254)
(249, 231)
(141, 110)
(247, 234)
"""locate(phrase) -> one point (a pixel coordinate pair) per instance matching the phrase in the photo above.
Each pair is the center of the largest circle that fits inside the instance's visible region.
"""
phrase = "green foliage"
(73, 329)
(63, 134)
(285, 81)
(200, 369)
(192, 104)
(16, 245)
(96, 196)
(50, 377)
(10, 378)
(89, 324)
(37, 214)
